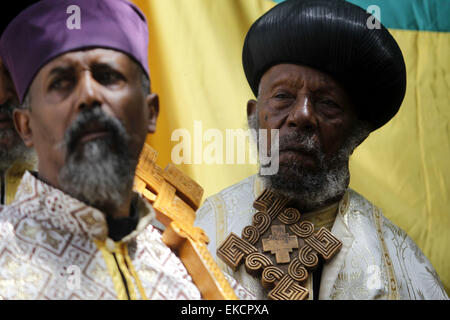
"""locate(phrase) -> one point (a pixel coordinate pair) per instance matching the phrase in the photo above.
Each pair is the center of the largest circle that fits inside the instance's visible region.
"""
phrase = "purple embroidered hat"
(51, 28)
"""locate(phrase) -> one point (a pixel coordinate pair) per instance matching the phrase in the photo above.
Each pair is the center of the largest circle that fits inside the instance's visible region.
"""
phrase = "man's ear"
(21, 119)
(251, 108)
(153, 107)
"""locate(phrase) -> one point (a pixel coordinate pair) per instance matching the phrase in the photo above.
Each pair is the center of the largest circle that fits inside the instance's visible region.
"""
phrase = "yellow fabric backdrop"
(404, 167)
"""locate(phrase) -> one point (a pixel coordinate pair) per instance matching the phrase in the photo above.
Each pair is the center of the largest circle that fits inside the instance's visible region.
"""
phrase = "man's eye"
(60, 84)
(108, 77)
(328, 102)
(282, 95)
(329, 107)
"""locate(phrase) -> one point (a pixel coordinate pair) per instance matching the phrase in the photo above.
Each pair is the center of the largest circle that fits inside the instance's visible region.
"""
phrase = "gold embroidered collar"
(66, 213)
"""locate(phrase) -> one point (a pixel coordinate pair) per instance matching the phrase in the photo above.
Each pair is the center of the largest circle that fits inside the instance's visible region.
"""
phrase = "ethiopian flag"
(403, 168)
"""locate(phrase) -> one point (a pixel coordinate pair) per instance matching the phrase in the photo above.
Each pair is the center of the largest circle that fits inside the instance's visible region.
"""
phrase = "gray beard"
(313, 189)
(99, 172)
(17, 151)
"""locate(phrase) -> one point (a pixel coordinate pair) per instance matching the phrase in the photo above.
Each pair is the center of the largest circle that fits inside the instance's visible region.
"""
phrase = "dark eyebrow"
(284, 81)
(105, 66)
(61, 70)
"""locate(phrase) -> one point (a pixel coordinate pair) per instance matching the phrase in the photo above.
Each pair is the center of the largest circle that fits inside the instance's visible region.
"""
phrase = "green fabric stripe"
(422, 15)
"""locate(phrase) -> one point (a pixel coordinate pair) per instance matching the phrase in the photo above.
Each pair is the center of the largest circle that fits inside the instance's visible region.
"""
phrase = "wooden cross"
(175, 198)
(280, 243)
(282, 277)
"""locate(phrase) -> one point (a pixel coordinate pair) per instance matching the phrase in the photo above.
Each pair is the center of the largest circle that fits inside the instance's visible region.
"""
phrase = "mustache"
(300, 142)
(92, 120)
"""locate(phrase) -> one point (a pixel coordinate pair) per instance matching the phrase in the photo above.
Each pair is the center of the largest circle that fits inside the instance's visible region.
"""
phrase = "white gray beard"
(99, 172)
(310, 190)
(314, 189)
(101, 179)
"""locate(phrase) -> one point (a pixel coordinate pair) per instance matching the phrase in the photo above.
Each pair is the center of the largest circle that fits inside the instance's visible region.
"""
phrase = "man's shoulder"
(373, 230)
(243, 189)
(367, 207)
(244, 186)
(388, 229)
(357, 200)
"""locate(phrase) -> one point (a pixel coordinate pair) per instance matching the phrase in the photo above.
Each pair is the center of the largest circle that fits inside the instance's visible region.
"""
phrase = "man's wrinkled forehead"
(297, 76)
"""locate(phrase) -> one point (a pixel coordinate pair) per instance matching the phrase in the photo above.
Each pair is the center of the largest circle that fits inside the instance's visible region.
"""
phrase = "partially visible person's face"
(12, 147)
(88, 119)
(316, 121)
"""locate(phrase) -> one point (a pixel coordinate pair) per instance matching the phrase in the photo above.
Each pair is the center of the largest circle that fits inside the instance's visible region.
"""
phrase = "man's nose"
(89, 92)
(302, 114)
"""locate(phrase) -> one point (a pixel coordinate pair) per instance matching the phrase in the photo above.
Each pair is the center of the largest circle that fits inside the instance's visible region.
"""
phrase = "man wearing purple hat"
(76, 230)
(15, 157)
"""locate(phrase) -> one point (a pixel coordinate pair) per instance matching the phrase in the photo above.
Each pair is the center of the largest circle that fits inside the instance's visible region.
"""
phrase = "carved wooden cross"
(175, 198)
(280, 243)
(282, 277)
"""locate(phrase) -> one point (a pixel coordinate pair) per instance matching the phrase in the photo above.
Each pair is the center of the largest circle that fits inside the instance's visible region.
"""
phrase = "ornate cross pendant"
(279, 247)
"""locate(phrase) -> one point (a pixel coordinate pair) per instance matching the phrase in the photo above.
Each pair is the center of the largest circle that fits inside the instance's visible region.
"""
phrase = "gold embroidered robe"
(378, 260)
(53, 246)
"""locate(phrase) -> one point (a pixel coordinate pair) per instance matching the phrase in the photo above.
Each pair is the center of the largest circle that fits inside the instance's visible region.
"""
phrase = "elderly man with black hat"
(15, 157)
(76, 230)
(325, 81)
